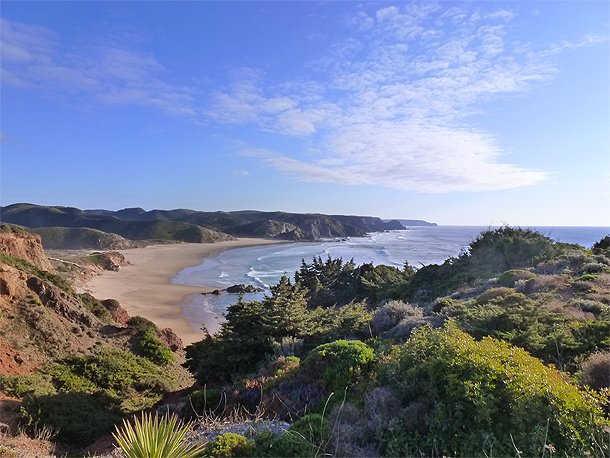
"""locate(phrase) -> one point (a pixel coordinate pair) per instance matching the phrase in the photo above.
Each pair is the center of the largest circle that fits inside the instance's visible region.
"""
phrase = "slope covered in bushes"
(501, 351)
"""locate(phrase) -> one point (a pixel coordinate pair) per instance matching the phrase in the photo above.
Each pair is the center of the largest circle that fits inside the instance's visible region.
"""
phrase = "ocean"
(264, 265)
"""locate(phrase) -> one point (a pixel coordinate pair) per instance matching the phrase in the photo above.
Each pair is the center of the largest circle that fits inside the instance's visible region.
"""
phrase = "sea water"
(264, 265)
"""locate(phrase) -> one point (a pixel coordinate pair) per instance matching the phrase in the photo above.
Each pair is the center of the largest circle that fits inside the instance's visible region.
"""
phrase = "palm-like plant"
(156, 437)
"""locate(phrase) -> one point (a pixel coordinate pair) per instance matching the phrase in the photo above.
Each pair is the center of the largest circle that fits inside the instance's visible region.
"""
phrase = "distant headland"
(73, 228)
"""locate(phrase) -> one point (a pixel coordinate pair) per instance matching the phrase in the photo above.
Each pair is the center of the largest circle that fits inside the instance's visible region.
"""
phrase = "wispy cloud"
(33, 57)
(394, 110)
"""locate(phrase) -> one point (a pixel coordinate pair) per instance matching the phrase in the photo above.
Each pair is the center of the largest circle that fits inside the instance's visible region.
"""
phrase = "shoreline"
(144, 287)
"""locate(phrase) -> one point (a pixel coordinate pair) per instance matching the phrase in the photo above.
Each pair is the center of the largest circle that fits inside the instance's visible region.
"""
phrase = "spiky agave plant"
(156, 437)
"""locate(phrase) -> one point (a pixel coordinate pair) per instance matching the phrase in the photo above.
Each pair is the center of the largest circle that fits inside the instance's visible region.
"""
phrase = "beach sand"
(143, 288)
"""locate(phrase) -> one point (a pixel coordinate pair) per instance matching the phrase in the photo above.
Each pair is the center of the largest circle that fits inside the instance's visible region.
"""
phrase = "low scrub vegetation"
(502, 351)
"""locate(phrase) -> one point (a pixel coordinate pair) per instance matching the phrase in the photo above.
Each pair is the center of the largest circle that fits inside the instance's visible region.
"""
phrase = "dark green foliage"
(313, 427)
(287, 445)
(114, 371)
(510, 277)
(248, 335)
(21, 386)
(327, 282)
(338, 364)
(602, 246)
(333, 282)
(141, 324)
(230, 445)
(486, 397)
(78, 418)
(96, 307)
(206, 400)
(509, 248)
(150, 347)
(22, 264)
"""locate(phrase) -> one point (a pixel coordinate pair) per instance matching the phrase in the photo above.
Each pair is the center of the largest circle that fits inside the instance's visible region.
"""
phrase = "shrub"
(392, 313)
(79, 418)
(312, 427)
(20, 386)
(602, 246)
(287, 445)
(595, 371)
(150, 347)
(284, 364)
(591, 306)
(157, 437)
(141, 324)
(510, 277)
(206, 399)
(441, 303)
(486, 397)
(494, 293)
(112, 370)
(594, 268)
(96, 307)
(337, 364)
(230, 445)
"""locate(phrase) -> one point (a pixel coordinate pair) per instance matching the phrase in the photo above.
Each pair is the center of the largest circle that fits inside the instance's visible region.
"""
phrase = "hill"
(137, 224)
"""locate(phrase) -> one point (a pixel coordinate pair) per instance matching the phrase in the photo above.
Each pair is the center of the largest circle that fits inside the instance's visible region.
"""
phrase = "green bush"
(287, 445)
(486, 397)
(510, 277)
(96, 307)
(337, 364)
(141, 324)
(151, 348)
(78, 418)
(206, 400)
(230, 445)
(313, 427)
(20, 386)
(494, 293)
(115, 371)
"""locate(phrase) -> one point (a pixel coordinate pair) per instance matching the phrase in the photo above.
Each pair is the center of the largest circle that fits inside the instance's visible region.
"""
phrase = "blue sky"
(479, 113)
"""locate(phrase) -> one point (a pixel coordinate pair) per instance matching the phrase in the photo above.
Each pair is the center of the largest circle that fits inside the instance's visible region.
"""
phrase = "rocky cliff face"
(24, 246)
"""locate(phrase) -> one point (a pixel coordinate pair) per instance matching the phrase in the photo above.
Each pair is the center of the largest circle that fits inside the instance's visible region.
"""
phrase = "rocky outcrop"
(110, 260)
(244, 289)
(171, 339)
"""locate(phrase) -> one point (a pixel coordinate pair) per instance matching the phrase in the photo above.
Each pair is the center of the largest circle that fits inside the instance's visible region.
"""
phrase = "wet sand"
(143, 288)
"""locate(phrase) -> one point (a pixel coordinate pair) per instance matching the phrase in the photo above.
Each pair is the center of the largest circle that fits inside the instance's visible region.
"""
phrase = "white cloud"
(32, 57)
(395, 110)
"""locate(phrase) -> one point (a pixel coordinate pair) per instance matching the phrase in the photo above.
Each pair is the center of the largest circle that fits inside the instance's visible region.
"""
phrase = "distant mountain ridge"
(184, 225)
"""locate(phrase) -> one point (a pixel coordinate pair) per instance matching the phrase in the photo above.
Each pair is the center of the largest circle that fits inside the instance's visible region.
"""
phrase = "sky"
(460, 113)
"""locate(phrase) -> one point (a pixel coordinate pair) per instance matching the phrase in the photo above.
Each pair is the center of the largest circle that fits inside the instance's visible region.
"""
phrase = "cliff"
(18, 243)
(66, 227)
(41, 317)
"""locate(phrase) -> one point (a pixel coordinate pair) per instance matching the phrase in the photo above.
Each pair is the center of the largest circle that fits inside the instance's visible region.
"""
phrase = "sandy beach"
(143, 288)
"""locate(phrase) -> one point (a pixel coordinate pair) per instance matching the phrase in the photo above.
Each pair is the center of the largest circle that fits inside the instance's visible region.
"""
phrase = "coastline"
(144, 287)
